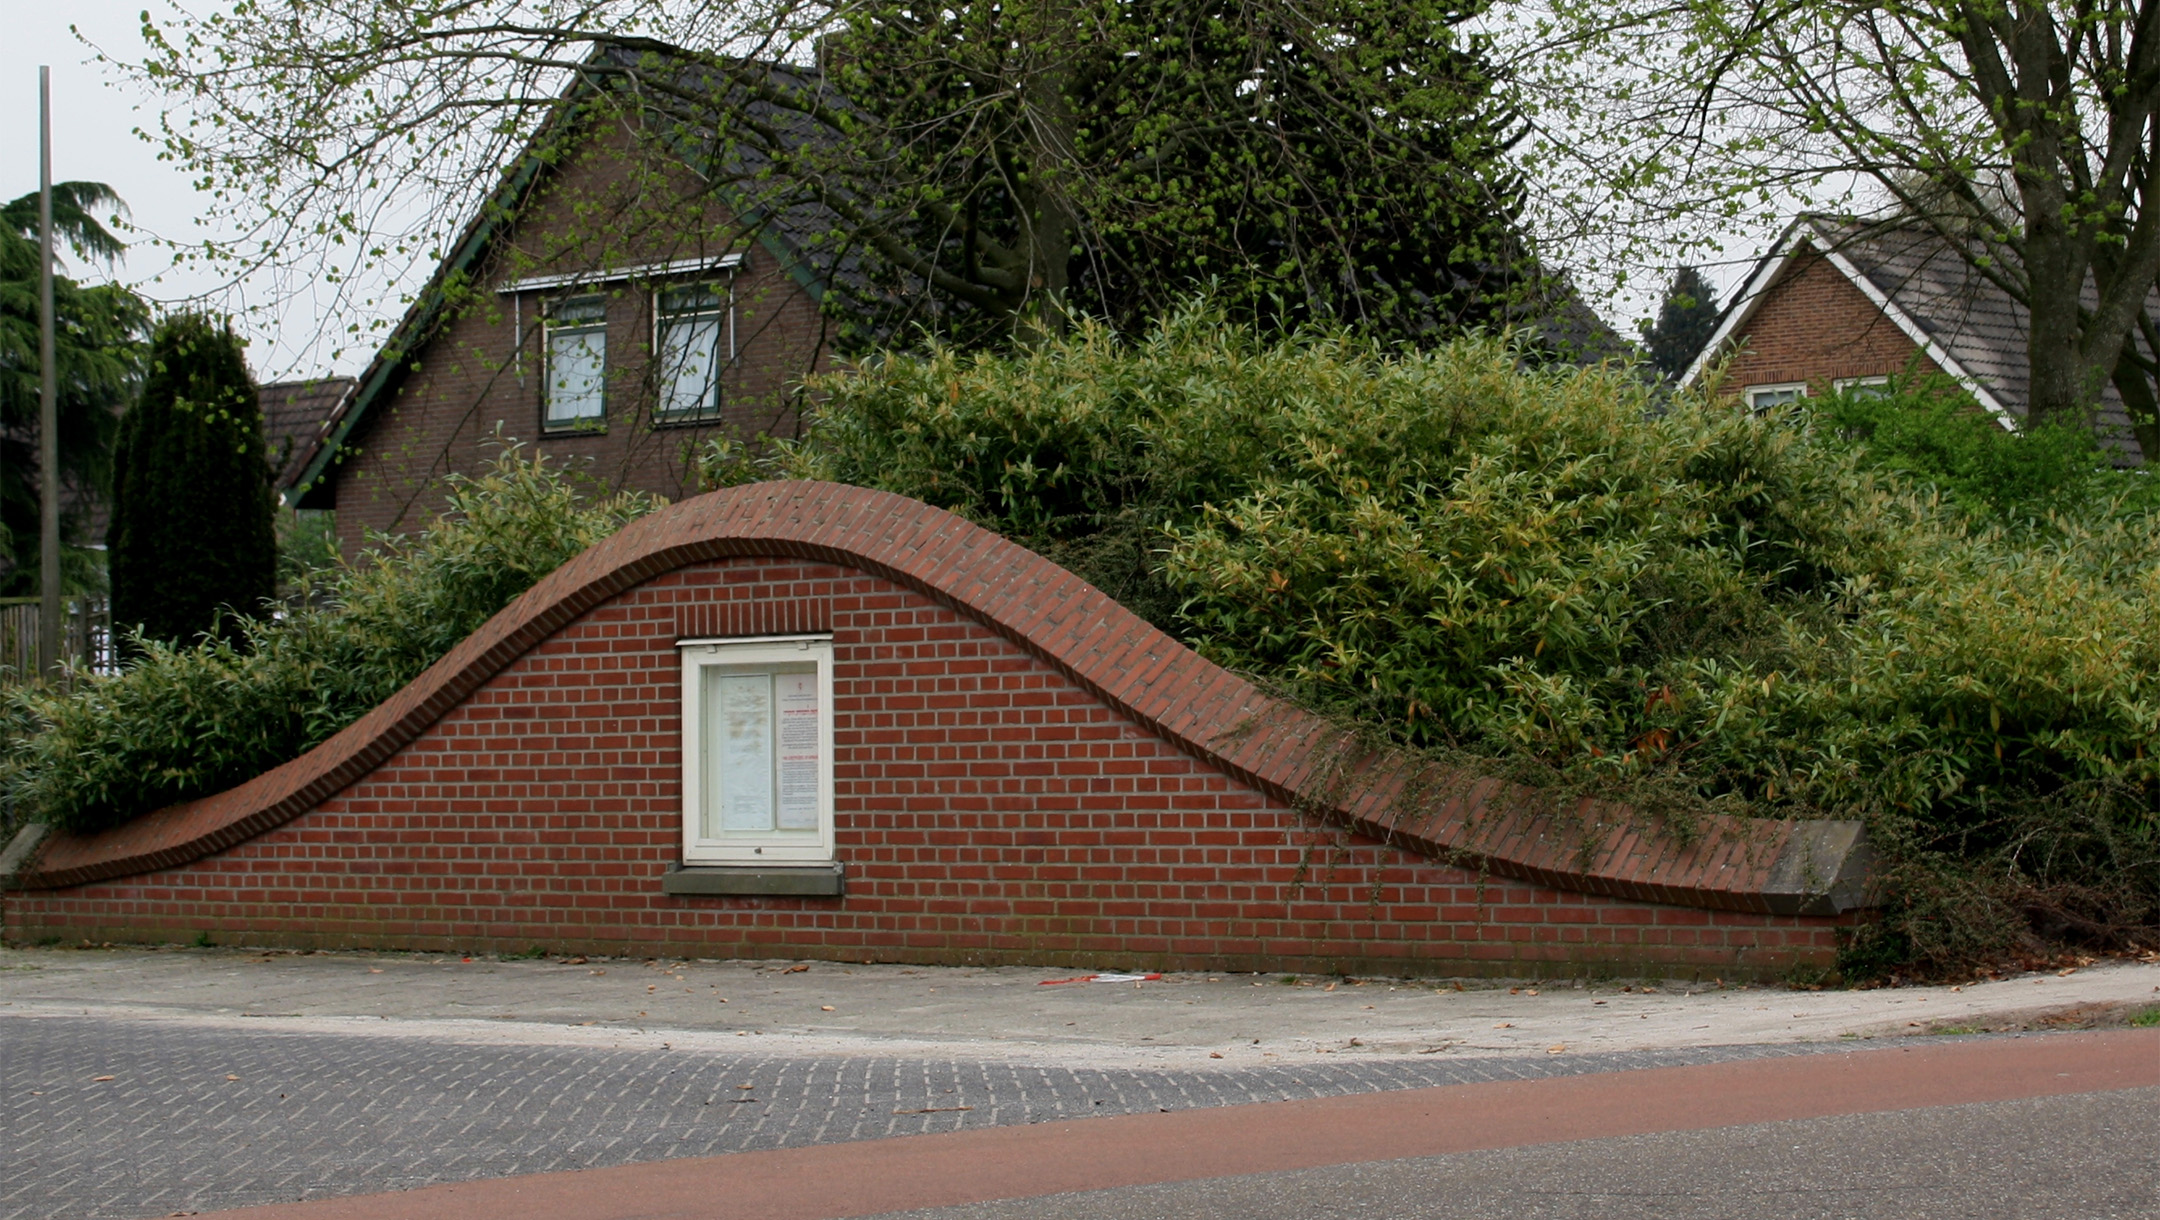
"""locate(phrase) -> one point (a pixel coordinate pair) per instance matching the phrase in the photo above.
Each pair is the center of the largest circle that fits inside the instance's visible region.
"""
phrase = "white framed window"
(1764, 397)
(693, 329)
(1862, 387)
(575, 393)
(757, 750)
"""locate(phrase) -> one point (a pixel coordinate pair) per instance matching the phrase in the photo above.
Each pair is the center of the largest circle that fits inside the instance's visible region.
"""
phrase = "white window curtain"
(691, 324)
(576, 389)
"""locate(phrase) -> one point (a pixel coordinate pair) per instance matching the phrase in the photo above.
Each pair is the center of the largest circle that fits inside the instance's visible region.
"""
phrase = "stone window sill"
(822, 880)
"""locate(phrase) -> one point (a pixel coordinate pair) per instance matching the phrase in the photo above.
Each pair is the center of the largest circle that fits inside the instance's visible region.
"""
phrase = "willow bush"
(187, 719)
(1557, 566)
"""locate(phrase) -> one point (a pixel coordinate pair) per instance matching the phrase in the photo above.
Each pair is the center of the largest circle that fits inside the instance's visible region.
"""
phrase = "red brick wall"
(989, 809)
(482, 373)
(1814, 326)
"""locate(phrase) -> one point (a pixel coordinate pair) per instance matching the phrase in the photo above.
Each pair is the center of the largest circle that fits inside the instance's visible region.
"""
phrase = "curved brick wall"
(1025, 772)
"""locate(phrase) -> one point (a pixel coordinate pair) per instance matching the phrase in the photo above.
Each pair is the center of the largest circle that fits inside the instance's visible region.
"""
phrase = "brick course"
(1000, 797)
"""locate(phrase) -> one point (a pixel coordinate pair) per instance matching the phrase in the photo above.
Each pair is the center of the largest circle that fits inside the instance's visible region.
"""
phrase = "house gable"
(617, 223)
(1814, 326)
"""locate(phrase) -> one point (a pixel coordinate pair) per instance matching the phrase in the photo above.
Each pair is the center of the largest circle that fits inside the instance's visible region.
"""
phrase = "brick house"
(606, 307)
(1835, 305)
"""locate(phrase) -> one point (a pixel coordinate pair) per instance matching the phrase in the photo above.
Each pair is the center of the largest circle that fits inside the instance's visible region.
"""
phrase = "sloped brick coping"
(1768, 867)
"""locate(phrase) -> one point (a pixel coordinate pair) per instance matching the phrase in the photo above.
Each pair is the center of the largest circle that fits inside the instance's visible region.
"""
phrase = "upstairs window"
(1764, 397)
(757, 751)
(1862, 387)
(574, 396)
(691, 323)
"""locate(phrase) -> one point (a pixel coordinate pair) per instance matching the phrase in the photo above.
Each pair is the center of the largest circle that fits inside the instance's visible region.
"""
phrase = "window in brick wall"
(1862, 387)
(574, 396)
(693, 327)
(1764, 397)
(757, 750)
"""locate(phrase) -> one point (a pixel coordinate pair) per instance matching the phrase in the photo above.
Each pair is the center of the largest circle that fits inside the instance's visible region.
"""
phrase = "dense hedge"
(1556, 572)
(186, 720)
(1655, 595)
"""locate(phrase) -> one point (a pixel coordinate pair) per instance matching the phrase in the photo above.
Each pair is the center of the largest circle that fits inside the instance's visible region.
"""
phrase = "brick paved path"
(201, 1118)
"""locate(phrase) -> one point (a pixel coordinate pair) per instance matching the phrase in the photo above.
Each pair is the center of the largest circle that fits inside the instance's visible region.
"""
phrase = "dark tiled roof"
(294, 413)
(1969, 317)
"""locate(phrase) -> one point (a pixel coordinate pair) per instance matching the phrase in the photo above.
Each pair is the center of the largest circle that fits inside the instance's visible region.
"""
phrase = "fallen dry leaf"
(795, 969)
(1556, 1048)
(824, 1008)
(1214, 1054)
(229, 1076)
(1505, 1025)
(101, 1078)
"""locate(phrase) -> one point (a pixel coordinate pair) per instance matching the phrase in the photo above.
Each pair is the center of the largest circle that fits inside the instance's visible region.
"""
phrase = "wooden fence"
(86, 639)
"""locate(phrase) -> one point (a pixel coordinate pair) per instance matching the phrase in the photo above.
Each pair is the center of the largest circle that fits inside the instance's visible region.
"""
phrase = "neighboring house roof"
(1967, 325)
(1572, 330)
(294, 416)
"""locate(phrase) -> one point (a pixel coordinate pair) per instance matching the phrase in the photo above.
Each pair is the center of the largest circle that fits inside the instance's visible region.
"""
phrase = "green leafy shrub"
(1677, 597)
(1927, 428)
(186, 719)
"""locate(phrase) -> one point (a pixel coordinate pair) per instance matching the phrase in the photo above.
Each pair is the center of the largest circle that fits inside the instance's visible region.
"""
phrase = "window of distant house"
(757, 750)
(1862, 387)
(1764, 397)
(692, 326)
(575, 393)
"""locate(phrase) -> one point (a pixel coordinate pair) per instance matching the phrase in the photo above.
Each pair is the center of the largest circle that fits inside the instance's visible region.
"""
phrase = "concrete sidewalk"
(1012, 1014)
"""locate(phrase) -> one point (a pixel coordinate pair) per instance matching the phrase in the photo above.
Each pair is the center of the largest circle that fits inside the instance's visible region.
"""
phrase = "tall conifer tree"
(192, 528)
(1685, 321)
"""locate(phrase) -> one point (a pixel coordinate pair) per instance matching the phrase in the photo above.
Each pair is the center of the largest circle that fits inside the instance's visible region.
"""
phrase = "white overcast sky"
(94, 119)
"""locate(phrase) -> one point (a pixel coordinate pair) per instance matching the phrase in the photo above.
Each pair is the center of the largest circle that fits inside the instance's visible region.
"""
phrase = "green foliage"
(98, 350)
(185, 720)
(307, 544)
(192, 534)
(1686, 319)
(1339, 161)
(1929, 429)
(1547, 565)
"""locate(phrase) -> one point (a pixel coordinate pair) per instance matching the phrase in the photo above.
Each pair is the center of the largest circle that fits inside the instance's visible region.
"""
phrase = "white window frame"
(776, 847)
(1798, 390)
(1846, 384)
(583, 326)
(724, 312)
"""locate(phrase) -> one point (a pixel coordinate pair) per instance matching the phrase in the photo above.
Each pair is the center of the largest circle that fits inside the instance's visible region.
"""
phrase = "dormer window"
(574, 396)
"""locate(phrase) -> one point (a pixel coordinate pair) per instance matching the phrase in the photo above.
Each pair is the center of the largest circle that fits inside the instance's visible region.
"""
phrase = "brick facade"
(480, 374)
(1023, 773)
(1814, 326)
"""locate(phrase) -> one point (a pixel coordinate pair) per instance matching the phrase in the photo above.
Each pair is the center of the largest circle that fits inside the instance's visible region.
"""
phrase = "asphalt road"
(2089, 1157)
